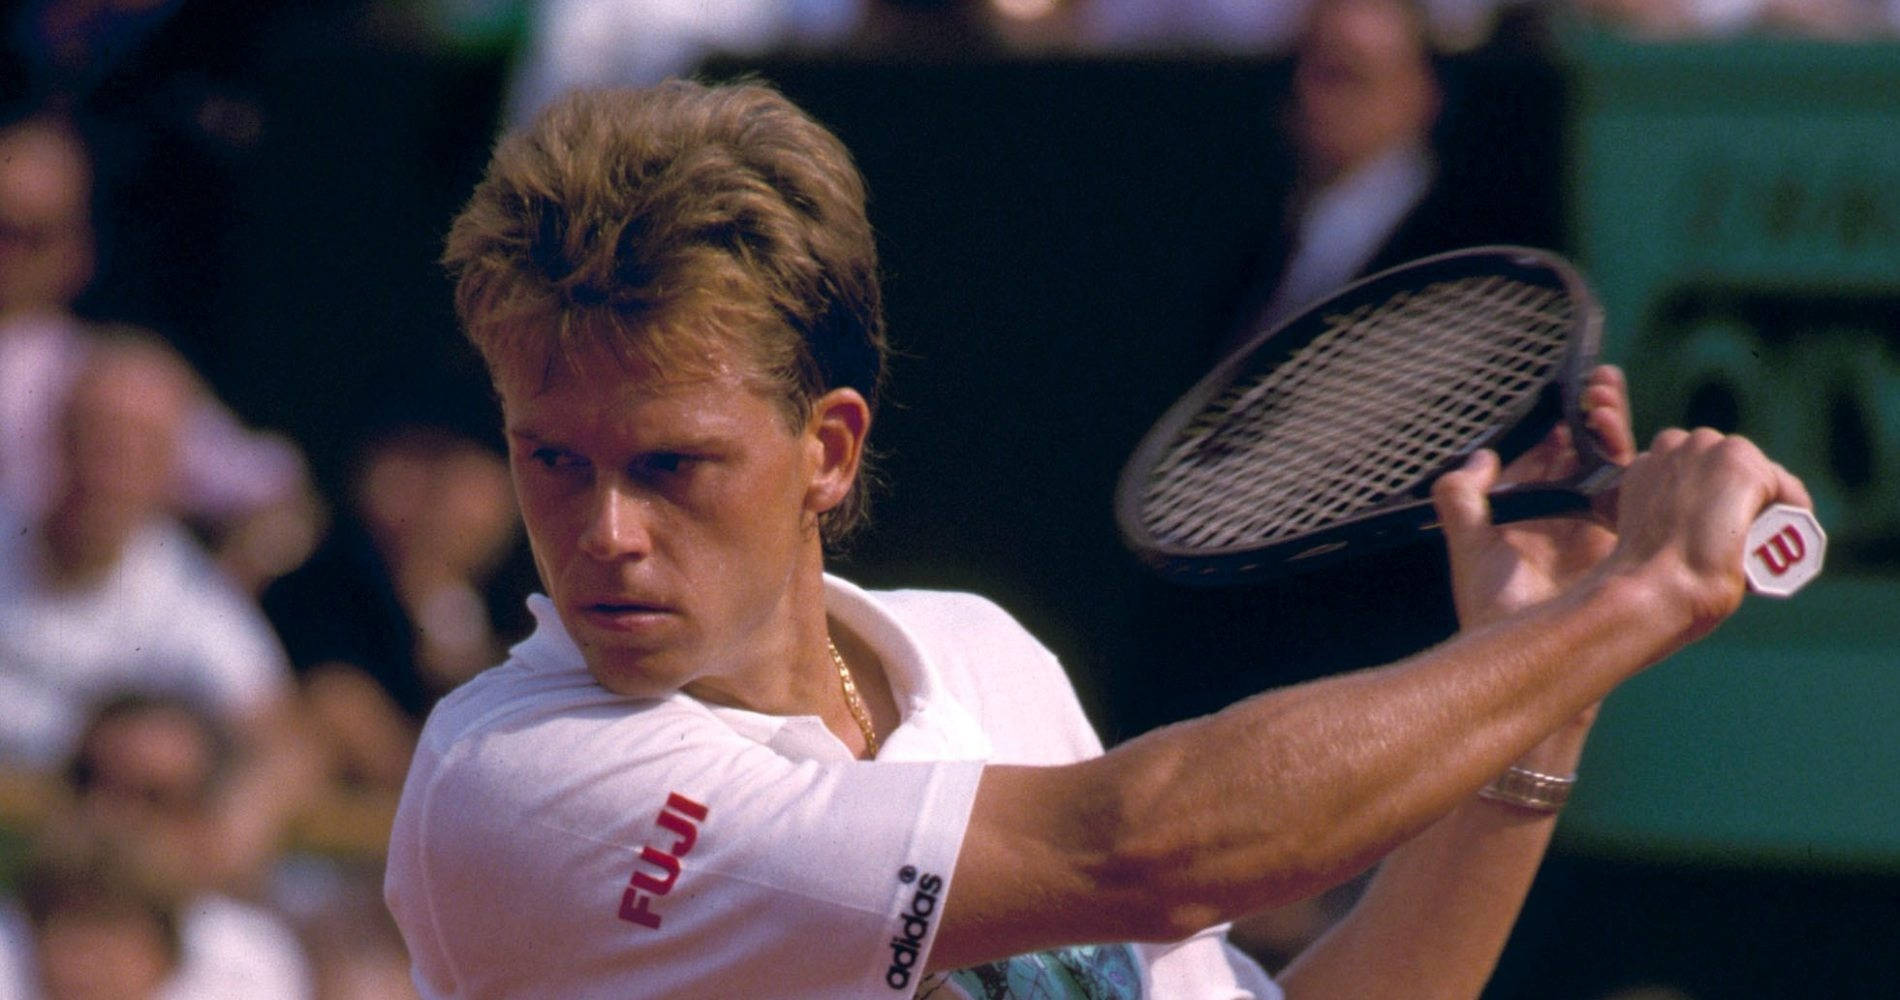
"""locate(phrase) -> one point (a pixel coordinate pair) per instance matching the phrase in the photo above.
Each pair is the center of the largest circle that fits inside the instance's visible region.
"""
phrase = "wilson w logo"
(681, 817)
(1782, 550)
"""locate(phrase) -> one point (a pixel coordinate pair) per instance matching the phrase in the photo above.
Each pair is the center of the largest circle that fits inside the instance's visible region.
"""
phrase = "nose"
(617, 524)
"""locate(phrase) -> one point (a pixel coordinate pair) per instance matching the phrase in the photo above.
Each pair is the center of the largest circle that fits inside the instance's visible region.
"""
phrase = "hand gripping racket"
(1320, 439)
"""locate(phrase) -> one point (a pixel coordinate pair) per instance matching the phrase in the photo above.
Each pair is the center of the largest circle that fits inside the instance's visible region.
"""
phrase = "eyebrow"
(690, 440)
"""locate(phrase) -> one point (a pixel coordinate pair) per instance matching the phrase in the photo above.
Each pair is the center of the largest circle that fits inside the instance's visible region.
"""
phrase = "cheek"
(779, 513)
(549, 534)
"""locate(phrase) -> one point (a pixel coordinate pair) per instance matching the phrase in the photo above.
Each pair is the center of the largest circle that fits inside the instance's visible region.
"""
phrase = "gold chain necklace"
(852, 701)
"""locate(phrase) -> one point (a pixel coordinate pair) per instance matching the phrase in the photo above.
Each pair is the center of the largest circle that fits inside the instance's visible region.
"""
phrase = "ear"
(834, 439)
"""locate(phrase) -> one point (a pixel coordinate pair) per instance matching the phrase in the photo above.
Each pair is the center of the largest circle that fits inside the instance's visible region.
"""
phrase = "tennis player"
(715, 770)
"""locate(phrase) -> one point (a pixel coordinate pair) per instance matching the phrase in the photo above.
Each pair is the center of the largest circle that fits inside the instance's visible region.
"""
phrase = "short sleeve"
(656, 853)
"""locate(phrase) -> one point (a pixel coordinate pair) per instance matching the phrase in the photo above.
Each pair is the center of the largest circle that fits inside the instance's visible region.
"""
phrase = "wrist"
(1530, 790)
(1558, 754)
(1635, 610)
(1673, 598)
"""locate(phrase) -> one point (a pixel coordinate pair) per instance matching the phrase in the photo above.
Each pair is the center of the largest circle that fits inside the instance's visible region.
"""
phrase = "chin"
(630, 674)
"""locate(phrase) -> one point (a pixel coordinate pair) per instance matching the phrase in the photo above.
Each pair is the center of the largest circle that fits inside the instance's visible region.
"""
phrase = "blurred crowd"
(214, 662)
(569, 42)
(211, 673)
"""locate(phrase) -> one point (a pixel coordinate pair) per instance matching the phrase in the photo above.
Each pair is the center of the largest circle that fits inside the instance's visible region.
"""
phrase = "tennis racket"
(1320, 439)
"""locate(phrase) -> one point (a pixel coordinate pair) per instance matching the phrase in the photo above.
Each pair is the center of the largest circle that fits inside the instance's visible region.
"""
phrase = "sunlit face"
(673, 520)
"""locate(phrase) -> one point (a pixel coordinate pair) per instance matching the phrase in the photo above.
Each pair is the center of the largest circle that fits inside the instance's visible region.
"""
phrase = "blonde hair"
(646, 227)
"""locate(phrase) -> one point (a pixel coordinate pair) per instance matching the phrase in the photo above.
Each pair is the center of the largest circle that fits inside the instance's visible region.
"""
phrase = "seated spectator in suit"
(1379, 123)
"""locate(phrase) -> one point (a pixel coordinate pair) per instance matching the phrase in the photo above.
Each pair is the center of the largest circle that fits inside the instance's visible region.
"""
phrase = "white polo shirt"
(557, 840)
(163, 619)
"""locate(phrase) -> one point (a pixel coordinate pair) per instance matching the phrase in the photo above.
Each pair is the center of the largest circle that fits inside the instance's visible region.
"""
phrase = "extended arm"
(1294, 790)
(1284, 794)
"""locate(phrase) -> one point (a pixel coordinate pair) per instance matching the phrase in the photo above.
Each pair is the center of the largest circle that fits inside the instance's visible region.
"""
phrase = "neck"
(76, 553)
(786, 666)
(796, 674)
(877, 706)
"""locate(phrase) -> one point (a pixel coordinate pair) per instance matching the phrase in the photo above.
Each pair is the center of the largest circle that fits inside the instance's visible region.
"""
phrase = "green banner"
(1737, 206)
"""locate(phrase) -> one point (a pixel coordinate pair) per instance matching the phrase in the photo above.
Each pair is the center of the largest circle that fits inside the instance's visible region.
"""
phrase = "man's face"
(120, 443)
(1362, 84)
(45, 229)
(146, 778)
(671, 519)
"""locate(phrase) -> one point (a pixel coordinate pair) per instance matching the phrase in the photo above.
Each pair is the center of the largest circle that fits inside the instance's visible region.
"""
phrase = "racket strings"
(1381, 398)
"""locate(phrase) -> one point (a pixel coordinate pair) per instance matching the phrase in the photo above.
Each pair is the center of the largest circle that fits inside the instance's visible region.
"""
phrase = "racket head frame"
(1406, 514)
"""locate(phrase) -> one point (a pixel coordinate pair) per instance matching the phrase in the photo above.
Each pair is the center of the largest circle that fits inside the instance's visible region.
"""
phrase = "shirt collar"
(932, 724)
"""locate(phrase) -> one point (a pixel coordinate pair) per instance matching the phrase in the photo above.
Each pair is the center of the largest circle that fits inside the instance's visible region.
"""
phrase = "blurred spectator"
(94, 926)
(1368, 190)
(103, 591)
(1236, 27)
(354, 944)
(1393, 157)
(159, 88)
(152, 782)
(63, 49)
(393, 610)
(1240, 27)
(1376, 181)
(575, 43)
(940, 31)
(248, 492)
(1676, 19)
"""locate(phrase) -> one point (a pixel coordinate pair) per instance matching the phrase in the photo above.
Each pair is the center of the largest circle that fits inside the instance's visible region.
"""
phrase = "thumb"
(1461, 497)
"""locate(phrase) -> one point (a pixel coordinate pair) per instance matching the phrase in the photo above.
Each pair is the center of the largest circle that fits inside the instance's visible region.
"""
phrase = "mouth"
(623, 616)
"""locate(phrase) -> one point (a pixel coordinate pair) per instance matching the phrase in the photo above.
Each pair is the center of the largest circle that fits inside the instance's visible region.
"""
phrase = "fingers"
(1608, 377)
(1790, 489)
(1604, 403)
(1606, 412)
(1700, 490)
(1552, 458)
(1462, 497)
(1775, 483)
(1709, 453)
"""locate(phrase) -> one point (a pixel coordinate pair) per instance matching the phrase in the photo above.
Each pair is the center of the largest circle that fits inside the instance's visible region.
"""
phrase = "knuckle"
(1668, 438)
(1739, 452)
(1706, 437)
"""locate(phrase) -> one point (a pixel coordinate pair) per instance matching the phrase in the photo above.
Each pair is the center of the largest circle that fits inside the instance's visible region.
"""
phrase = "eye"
(665, 463)
(555, 458)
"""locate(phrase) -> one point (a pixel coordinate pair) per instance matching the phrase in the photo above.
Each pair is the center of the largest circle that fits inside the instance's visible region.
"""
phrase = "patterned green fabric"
(1093, 972)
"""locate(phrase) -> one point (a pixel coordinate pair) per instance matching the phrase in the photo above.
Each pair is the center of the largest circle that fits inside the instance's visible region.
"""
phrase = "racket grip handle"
(1783, 551)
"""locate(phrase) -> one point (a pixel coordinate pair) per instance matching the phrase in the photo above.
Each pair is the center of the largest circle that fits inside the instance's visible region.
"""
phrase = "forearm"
(1434, 920)
(1299, 789)
(1289, 792)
